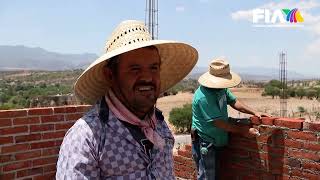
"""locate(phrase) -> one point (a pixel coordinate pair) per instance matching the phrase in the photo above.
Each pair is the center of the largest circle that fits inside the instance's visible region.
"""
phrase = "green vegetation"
(19, 89)
(181, 118)
(186, 85)
(298, 89)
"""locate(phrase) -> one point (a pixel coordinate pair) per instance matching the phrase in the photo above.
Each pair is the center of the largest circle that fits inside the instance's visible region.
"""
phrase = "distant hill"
(22, 57)
(254, 73)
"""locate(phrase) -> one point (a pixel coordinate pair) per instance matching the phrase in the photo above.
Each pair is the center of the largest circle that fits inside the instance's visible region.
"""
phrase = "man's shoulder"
(87, 124)
(159, 114)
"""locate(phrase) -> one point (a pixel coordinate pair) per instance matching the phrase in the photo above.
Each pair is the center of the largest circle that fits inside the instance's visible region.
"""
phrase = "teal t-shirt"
(209, 105)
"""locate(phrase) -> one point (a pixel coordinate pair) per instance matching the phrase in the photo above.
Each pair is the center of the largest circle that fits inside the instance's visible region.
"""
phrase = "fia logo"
(277, 18)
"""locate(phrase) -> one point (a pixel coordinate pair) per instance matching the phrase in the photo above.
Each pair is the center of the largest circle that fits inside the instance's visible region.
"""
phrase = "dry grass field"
(251, 97)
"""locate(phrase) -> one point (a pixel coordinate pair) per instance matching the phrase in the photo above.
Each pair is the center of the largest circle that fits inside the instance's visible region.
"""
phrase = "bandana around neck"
(147, 125)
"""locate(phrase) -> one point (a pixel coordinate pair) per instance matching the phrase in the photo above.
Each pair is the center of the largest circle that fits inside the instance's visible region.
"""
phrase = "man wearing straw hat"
(124, 136)
(210, 122)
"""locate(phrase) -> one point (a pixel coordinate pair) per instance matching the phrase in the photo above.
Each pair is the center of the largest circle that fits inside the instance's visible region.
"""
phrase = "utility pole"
(151, 17)
(283, 81)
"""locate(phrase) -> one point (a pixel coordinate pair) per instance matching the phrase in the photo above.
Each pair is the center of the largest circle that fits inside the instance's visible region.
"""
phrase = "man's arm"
(243, 130)
(238, 105)
(77, 159)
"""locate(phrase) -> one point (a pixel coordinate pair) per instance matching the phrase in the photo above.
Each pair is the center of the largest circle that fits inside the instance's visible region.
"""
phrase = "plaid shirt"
(92, 149)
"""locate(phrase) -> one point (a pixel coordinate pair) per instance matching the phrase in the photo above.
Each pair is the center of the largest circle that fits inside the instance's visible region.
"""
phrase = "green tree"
(300, 92)
(275, 83)
(271, 91)
(311, 93)
(181, 118)
(292, 92)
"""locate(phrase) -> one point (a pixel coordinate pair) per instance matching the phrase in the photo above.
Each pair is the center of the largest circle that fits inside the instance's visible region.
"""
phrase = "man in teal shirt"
(210, 117)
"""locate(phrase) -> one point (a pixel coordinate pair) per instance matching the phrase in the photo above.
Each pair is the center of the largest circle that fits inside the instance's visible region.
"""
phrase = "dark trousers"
(206, 156)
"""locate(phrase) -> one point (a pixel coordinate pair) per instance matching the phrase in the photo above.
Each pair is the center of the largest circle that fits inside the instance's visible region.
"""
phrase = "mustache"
(143, 83)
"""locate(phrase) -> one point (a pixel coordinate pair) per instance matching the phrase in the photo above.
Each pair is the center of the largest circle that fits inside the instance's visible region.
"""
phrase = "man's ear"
(108, 74)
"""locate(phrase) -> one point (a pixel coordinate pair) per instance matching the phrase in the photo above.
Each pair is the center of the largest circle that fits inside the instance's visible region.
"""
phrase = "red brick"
(29, 172)
(83, 108)
(5, 158)
(289, 123)
(42, 161)
(12, 113)
(296, 172)
(5, 122)
(61, 109)
(302, 135)
(50, 151)
(314, 126)
(268, 120)
(49, 168)
(312, 146)
(188, 147)
(7, 176)
(185, 153)
(53, 118)
(71, 109)
(310, 176)
(45, 144)
(6, 140)
(41, 128)
(14, 130)
(311, 165)
(255, 120)
(305, 155)
(40, 111)
(17, 165)
(293, 143)
(275, 151)
(50, 175)
(27, 138)
(28, 155)
(15, 148)
(245, 144)
(71, 117)
(179, 159)
(26, 120)
(53, 135)
(263, 138)
(58, 142)
(283, 177)
(66, 125)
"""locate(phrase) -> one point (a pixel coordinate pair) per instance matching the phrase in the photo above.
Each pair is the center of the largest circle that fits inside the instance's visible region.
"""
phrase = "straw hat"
(177, 60)
(219, 76)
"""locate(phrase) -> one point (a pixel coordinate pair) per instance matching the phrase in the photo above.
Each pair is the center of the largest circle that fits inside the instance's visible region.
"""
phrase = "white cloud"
(180, 8)
(242, 15)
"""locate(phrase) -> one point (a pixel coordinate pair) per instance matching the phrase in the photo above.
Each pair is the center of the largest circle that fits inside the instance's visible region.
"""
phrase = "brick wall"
(286, 149)
(30, 140)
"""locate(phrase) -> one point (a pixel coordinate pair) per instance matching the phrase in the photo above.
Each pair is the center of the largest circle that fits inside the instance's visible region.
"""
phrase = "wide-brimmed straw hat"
(177, 60)
(219, 75)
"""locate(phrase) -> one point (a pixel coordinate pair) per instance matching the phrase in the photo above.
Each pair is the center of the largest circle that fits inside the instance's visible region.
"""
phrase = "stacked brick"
(287, 149)
(30, 140)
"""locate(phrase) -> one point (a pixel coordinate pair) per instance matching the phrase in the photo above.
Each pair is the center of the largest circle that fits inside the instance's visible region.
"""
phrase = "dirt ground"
(252, 98)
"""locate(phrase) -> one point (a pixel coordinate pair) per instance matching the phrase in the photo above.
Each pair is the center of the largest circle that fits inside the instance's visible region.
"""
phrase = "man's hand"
(253, 132)
(261, 115)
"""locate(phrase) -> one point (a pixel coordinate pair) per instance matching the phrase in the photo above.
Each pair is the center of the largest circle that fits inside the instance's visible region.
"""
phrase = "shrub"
(181, 118)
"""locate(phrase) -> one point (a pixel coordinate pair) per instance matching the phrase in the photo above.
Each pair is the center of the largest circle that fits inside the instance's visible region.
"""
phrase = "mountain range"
(22, 57)
(29, 58)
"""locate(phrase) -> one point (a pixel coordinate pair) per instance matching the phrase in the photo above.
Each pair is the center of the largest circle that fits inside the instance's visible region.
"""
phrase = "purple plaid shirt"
(94, 150)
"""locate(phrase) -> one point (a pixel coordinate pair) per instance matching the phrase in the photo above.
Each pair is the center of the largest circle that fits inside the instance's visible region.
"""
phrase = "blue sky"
(215, 28)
